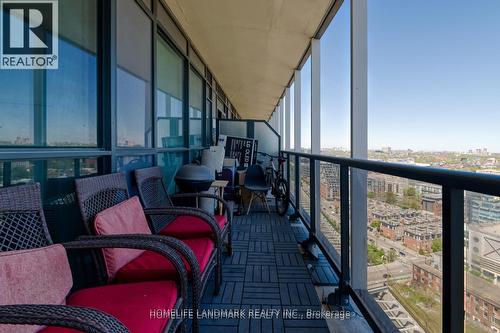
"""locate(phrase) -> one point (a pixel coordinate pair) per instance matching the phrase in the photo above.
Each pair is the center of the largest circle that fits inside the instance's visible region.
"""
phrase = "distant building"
(330, 181)
(392, 229)
(481, 299)
(427, 276)
(482, 302)
(379, 183)
(484, 250)
(432, 203)
(420, 237)
(481, 208)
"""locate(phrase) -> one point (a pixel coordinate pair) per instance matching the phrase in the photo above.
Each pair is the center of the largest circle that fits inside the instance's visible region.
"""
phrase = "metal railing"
(454, 184)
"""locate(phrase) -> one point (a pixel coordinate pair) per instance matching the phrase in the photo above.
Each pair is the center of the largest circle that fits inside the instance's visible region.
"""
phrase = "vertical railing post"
(359, 141)
(452, 282)
(340, 297)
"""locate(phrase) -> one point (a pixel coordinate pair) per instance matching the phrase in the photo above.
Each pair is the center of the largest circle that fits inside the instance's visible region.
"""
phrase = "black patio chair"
(255, 182)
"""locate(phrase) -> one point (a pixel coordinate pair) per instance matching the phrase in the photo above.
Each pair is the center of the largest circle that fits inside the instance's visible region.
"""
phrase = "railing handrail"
(465, 180)
(454, 184)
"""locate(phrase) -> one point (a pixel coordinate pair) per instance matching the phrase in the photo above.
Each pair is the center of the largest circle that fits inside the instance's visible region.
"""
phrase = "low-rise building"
(420, 237)
(426, 276)
(481, 299)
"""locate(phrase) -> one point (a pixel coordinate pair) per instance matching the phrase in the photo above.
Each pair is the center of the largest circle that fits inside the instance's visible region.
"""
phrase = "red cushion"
(125, 218)
(35, 276)
(130, 303)
(153, 266)
(191, 226)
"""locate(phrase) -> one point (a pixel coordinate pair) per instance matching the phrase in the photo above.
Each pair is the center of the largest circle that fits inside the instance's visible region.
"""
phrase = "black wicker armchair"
(97, 194)
(153, 193)
(23, 231)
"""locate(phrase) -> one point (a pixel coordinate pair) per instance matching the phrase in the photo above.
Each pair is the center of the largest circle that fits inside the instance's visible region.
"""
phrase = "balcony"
(374, 240)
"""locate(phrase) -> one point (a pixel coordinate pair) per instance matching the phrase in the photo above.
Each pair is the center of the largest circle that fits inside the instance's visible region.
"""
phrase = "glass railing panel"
(292, 178)
(329, 194)
(233, 128)
(482, 263)
(268, 140)
(305, 185)
(405, 250)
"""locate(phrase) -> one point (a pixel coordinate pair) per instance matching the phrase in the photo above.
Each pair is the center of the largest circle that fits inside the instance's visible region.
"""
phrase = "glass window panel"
(169, 96)
(22, 172)
(292, 116)
(195, 109)
(305, 98)
(196, 61)
(336, 85)
(208, 123)
(133, 76)
(195, 156)
(56, 107)
(439, 92)
(127, 164)
(170, 163)
(171, 27)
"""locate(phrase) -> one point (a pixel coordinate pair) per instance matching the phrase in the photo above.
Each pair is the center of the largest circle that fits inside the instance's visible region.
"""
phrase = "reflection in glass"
(170, 163)
(56, 107)
(131, 103)
(195, 109)
(169, 96)
(127, 164)
(133, 76)
(22, 172)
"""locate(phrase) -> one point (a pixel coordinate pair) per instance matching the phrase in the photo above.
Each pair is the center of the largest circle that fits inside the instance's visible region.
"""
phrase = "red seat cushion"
(153, 266)
(34, 276)
(130, 303)
(191, 226)
(126, 217)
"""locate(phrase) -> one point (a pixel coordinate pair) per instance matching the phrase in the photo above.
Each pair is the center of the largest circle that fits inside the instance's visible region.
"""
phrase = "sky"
(433, 76)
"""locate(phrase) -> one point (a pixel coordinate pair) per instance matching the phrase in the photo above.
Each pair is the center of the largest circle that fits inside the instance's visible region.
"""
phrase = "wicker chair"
(23, 229)
(96, 194)
(153, 193)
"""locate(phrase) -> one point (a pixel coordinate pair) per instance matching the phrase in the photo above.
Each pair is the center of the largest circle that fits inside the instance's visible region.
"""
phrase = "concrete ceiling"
(251, 46)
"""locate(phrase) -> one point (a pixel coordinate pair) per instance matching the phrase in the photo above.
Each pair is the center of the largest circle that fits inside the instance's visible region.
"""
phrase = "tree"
(390, 197)
(375, 224)
(410, 192)
(391, 256)
(437, 245)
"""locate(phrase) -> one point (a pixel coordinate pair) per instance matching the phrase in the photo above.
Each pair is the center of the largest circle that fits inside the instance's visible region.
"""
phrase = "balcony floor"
(266, 271)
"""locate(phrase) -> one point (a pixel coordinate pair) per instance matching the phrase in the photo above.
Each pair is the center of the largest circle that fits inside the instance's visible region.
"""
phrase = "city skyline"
(431, 87)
